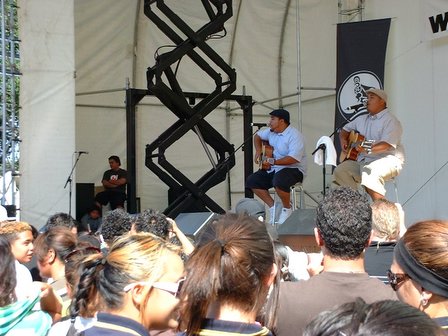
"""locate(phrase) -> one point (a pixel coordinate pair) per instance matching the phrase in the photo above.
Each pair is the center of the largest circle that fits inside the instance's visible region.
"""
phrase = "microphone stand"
(323, 147)
(69, 181)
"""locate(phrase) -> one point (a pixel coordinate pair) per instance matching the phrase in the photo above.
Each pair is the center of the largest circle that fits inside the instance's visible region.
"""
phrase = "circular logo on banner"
(352, 97)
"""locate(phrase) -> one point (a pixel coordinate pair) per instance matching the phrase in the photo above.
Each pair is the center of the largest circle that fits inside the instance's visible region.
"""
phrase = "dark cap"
(281, 114)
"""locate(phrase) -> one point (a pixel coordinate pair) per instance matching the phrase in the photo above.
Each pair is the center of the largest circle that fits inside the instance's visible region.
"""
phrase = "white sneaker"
(272, 215)
(286, 212)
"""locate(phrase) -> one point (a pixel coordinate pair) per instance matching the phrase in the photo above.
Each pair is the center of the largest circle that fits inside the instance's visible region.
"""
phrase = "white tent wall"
(415, 78)
(116, 41)
(47, 116)
(254, 32)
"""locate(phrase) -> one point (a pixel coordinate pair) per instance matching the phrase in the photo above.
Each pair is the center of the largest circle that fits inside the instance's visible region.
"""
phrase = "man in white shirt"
(285, 168)
(379, 162)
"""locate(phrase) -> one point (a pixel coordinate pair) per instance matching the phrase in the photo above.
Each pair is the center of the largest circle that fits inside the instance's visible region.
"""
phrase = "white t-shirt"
(24, 284)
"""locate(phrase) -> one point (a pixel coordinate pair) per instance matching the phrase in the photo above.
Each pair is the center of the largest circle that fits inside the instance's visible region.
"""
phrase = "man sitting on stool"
(114, 182)
(381, 161)
(287, 166)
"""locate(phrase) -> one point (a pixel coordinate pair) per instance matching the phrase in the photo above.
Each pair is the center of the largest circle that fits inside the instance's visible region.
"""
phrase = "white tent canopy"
(79, 56)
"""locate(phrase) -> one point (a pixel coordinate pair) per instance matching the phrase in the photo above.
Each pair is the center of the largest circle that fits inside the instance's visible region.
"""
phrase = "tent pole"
(299, 73)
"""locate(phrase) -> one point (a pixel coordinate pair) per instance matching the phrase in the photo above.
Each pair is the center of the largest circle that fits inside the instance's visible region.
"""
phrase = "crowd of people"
(140, 275)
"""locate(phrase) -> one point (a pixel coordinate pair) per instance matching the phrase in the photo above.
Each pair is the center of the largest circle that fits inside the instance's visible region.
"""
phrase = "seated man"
(285, 168)
(114, 182)
(343, 230)
(378, 162)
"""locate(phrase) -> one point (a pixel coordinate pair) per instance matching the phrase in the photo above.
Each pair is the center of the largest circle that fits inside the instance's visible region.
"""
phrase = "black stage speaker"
(298, 231)
(192, 223)
(84, 198)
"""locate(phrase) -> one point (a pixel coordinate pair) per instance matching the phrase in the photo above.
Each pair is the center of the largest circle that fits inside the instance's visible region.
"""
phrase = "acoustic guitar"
(356, 142)
(267, 152)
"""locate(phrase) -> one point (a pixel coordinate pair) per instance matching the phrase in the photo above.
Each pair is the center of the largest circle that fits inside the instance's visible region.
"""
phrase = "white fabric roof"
(94, 48)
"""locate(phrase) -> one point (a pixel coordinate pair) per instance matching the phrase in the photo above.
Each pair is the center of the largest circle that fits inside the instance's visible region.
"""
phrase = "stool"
(296, 198)
(297, 191)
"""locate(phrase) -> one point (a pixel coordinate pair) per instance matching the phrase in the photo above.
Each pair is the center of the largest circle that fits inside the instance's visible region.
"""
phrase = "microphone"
(259, 124)
(82, 152)
(356, 107)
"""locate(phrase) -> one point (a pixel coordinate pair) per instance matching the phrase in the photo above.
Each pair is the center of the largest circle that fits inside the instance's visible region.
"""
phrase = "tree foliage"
(10, 86)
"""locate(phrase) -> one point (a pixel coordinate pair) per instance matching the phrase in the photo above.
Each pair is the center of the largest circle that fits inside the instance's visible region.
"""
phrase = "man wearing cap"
(382, 160)
(287, 166)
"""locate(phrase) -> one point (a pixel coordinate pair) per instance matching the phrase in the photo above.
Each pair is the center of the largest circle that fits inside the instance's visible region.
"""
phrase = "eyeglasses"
(396, 279)
(173, 288)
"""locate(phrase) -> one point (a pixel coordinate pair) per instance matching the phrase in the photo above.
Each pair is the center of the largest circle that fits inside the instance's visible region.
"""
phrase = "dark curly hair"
(344, 221)
(152, 221)
(115, 224)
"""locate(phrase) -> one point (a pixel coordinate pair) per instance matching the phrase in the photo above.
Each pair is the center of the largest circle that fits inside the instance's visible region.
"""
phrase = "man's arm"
(343, 139)
(118, 182)
(258, 144)
(114, 183)
(380, 147)
(284, 161)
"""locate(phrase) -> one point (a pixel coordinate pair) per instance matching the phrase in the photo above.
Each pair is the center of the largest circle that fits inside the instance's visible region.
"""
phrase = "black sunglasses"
(396, 279)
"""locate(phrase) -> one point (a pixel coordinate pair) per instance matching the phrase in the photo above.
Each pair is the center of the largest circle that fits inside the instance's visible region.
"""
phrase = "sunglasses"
(396, 279)
(173, 288)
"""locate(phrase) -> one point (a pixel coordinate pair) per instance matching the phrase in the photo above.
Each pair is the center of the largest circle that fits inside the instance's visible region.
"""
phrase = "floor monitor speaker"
(298, 231)
(192, 223)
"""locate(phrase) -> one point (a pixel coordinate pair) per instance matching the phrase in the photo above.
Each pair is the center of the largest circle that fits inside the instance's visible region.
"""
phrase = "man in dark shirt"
(343, 231)
(114, 182)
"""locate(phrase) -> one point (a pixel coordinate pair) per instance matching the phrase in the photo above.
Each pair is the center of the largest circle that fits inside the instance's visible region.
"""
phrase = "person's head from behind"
(385, 220)
(51, 250)
(251, 207)
(114, 162)
(73, 263)
(344, 223)
(381, 318)
(61, 219)
(419, 271)
(139, 278)
(20, 237)
(115, 224)
(282, 256)
(152, 221)
(232, 267)
(7, 274)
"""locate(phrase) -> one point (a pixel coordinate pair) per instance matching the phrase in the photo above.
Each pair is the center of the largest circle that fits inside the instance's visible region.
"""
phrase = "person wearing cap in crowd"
(380, 162)
(285, 168)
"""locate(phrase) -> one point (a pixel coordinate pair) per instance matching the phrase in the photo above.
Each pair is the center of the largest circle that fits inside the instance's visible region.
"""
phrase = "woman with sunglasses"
(134, 287)
(228, 279)
(419, 272)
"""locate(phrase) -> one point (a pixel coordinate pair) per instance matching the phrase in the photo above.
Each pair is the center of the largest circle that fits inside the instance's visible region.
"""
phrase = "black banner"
(361, 51)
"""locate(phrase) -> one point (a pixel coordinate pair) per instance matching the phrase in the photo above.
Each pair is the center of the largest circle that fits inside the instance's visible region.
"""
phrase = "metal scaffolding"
(10, 79)
(351, 10)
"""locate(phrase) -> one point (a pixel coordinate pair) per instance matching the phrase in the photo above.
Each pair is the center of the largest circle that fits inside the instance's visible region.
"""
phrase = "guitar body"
(356, 142)
(267, 152)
